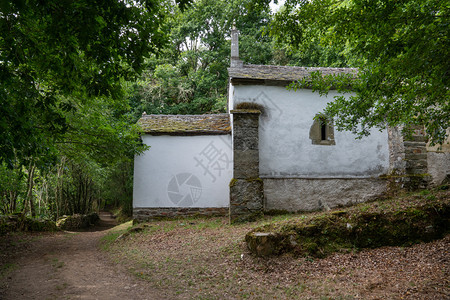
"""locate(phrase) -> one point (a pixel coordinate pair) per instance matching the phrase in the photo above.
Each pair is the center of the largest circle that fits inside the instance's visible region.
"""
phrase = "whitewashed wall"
(286, 150)
(183, 171)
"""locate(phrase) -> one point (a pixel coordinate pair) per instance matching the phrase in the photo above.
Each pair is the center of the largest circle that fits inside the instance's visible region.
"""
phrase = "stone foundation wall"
(246, 199)
(149, 213)
(295, 194)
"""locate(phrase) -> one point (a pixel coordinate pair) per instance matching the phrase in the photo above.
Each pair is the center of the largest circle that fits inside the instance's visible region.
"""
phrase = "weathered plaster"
(439, 161)
(438, 166)
(315, 194)
(183, 171)
(286, 149)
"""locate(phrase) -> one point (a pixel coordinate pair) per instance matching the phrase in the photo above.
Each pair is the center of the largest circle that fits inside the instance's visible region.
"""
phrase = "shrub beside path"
(65, 265)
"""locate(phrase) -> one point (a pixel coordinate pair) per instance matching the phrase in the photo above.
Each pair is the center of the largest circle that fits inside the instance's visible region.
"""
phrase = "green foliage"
(98, 139)
(191, 77)
(117, 187)
(12, 184)
(64, 116)
(70, 49)
(401, 49)
(101, 131)
(79, 189)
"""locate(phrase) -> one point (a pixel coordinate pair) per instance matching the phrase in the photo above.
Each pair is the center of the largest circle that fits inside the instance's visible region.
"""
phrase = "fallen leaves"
(209, 259)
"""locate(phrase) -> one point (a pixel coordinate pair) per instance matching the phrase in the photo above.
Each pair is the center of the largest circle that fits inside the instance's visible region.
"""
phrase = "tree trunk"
(30, 188)
(59, 188)
(12, 201)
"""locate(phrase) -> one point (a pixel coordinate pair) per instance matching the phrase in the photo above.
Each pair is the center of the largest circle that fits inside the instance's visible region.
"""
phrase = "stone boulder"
(18, 222)
(77, 221)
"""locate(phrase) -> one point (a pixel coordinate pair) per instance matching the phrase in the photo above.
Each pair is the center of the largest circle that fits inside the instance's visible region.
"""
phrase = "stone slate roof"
(213, 124)
(278, 75)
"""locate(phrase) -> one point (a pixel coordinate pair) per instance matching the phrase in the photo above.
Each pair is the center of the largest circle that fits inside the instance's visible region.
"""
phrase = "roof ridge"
(180, 115)
(299, 67)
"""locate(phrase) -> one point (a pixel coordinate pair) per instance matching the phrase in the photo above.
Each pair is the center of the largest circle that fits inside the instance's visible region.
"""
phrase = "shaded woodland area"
(75, 78)
(68, 141)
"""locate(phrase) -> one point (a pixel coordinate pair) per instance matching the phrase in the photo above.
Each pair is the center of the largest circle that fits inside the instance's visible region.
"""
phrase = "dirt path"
(67, 266)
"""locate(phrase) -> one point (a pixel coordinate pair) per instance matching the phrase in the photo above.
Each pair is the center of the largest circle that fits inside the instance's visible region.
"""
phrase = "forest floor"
(207, 259)
(66, 265)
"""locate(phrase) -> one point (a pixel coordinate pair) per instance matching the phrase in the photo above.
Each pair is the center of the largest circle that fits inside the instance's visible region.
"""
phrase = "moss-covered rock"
(395, 222)
(18, 222)
(40, 225)
(77, 221)
(262, 243)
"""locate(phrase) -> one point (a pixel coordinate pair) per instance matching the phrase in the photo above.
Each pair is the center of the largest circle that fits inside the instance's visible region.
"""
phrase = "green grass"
(114, 233)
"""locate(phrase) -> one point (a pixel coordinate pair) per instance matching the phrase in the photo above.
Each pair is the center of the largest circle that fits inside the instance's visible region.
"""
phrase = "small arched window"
(322, 131)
